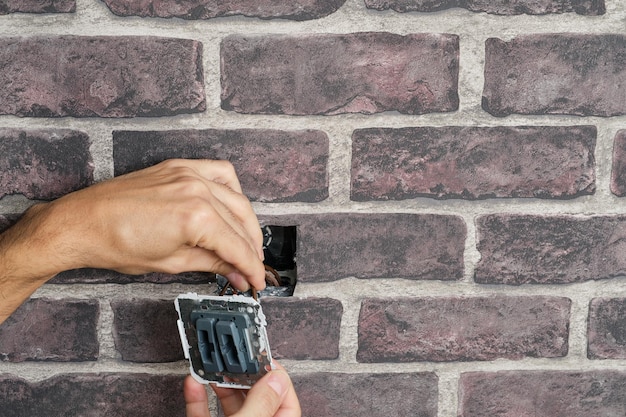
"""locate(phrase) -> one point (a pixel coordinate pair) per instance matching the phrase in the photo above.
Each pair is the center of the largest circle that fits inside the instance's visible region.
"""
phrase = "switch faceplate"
(224, 339)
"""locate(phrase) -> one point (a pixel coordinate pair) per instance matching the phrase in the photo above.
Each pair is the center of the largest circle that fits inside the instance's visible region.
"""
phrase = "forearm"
(28, 258)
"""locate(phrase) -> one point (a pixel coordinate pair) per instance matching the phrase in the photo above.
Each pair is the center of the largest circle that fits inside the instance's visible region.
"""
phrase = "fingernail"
(238, 281)
(277, 383)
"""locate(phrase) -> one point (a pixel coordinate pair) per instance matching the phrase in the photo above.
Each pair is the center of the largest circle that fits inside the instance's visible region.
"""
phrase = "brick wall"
(456, 171)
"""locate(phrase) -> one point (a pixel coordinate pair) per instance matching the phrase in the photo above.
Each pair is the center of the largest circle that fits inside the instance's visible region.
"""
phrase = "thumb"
(196, 399)
(271, 396)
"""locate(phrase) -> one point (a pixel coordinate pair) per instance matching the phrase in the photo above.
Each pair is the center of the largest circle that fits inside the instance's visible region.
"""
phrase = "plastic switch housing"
(224, 339)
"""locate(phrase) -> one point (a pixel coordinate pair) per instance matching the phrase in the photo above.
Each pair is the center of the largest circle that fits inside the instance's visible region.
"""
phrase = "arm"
(180, 215)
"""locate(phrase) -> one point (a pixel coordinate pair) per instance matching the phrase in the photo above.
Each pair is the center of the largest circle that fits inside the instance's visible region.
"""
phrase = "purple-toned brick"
(499, 7)
(542, 394)
(606, 328)
(577, 74)
(327, 74)
(104, 276)
(207, 9)
(145, 330)
(528, 249)
(37, 6)
(111, 395)
(413, 246)
(43, 329)
(44, 164)
(473, 162)
(462, 329)
(618, 172)
(305, 328)
(272, 165)
(105, 76)
(373, 395)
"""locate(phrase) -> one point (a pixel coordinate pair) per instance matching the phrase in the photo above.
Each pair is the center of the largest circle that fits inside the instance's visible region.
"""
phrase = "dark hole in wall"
(279, 248)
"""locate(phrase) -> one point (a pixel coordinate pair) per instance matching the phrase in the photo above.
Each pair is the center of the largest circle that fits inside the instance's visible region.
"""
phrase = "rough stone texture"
(103, 276)
(574, 74)
(499, 7)
(523, 249)
(44, 164)
(145, 330)
(303, 328)
(206, 9)
(272, 165)
(373, 395)
(37, 6)
(110, 395)
(413, 246)
(107, 76)
(51, 330)
(618, 172)
(472, 162)
(542, 394)
(462, 329)
(367, 72)
(606, 328)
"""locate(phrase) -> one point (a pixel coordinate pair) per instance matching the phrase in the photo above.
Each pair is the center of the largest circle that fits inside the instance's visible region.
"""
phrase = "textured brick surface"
(37, 6)
(521, 249)
(462, 329)
(111, 395)
(542, 394)
(206, 9)
(303, 328)
(366, 72)
(43, 164)
(556, 74)
(145, 330)
(500, 7)
(372, 395)
(103, 276)
(618, 171)
(272, 165)
(414, 246)
(51, 330)
(104, 76)
(606, 331)
(473, 162)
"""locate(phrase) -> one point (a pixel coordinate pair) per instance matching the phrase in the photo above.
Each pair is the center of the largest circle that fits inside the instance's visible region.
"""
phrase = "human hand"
(271, 396)
(176, 216)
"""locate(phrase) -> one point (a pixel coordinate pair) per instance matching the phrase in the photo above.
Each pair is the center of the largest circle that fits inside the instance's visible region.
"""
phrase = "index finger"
(220, 171)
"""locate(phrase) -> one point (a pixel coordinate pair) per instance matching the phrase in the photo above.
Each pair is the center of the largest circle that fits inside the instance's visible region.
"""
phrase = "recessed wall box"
(224, 339)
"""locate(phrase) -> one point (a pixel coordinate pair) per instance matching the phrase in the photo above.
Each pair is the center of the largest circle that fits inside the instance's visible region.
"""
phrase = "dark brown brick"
(576, 74)
(37, 6)
(103, 276)
(111, 395)
(206, 9)
(542, 394)
(272, 165)
(462, 329)
(606, 328)
(373, 395)
(413, 246)
(145, 330)
(43, 329)
(499, 7)
(328, 74)
(618, 173)
(472, 162)
(44, 164)
(524, 249)
(107, 76)
(305, 328)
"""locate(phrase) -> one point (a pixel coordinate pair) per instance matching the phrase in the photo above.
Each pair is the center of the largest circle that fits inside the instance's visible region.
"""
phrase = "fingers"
(196, 400)
(272, 396)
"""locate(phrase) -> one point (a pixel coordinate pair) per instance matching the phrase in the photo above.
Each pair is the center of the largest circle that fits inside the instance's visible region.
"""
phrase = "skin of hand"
(271, 396)
(176, 216)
